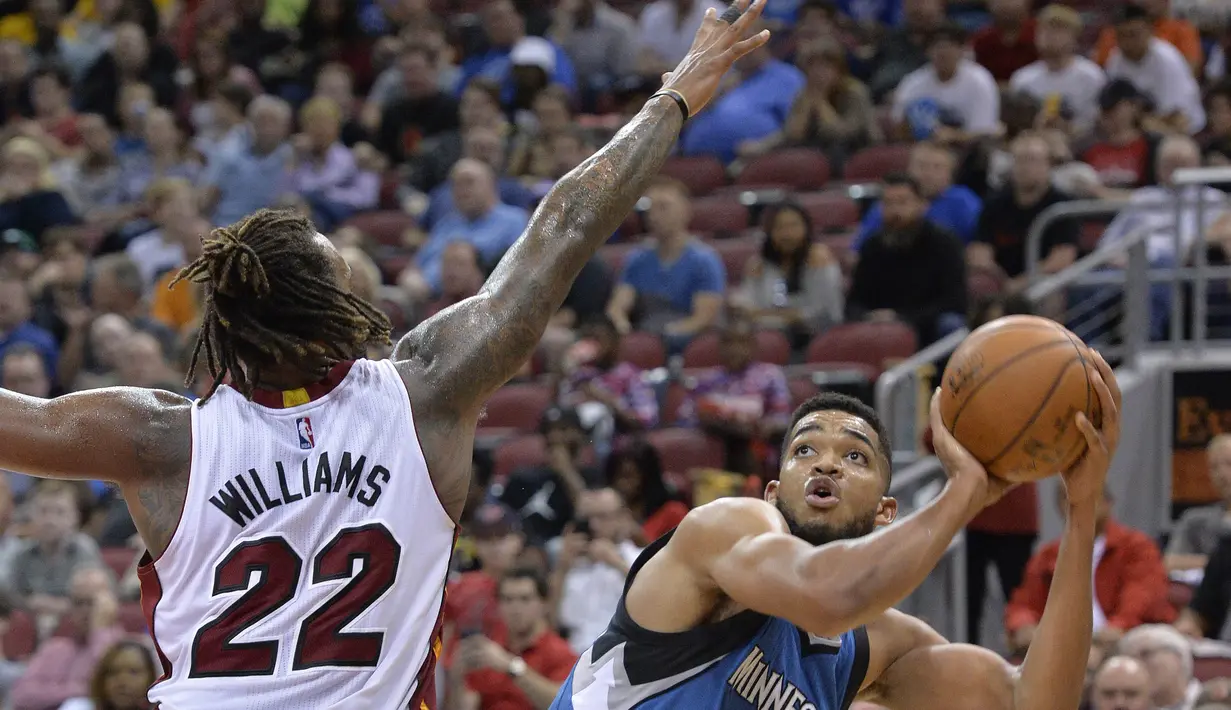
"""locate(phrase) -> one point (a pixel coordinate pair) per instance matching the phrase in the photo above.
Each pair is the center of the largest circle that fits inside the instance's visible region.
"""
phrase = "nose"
(828, 462)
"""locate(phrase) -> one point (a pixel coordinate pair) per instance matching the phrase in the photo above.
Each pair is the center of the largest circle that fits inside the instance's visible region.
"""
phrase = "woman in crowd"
(636, 472)
(121, 679)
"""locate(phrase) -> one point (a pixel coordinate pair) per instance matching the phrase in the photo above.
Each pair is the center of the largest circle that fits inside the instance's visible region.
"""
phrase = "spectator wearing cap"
(1175, 31)
(1061, 74)
(505, 28)
(522, 670)
(1157, 69)
(675, 285)
(741, 401)
(1008, 43)
(665, 31)
(545, 496)
(422, 111)
(1120, 150)
(749, 116)
(951, 207)
(951, 98)
(16, 328)
(471, 599)
(253, 174)
(531, 66)
(595, 556)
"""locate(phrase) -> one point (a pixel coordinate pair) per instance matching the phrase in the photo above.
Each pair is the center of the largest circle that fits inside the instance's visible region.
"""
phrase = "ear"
(771, 491)
(887, 511)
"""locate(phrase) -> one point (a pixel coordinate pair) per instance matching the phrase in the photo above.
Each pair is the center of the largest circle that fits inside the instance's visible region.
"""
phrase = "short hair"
(556, 92)
(272, 103)
(163, 189)
(1162, 636)
(322, 106)
(837, 402)
(530, 573)
(827, 7)
(420, 48)
(486, 86)
(1131, 12)
(17, 350)
(51, 487)
(599, 321)
(56, 73)
(948, 32)
(1215, 441)
(901, 179)
(123, 269)
(666, 182)
(237, 94)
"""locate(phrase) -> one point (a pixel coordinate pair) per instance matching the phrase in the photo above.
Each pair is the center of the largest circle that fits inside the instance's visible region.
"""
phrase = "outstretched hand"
(719, 43)
(1083, 482)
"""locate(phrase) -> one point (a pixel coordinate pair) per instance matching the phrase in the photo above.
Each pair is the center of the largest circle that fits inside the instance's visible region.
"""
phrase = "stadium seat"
(392, 262)
(735, 253)
(685, 449)
(645, 350)
(873, 163)
(701, 173)
(801, 389)
(516, 407)
(773, 347)
(829, 211)
(382, 226)
(119, 560)
(518, 452)
(871, 344)
(983, 282)
(718, 216)
(21, 637)
(1212, 667)
(800, 168)
(673, 399)
(702, 351)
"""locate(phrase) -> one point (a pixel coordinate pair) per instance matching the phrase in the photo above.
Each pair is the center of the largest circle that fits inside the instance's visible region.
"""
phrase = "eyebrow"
(845, 430)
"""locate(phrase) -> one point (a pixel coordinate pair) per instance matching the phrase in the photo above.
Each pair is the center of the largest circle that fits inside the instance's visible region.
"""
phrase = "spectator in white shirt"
(951, 98)
(595, 557)
(1060, 74)
(666, 29)
(1158, 70)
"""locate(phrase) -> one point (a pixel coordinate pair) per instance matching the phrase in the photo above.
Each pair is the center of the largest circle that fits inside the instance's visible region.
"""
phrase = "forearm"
(1055, 667)
(539, 691)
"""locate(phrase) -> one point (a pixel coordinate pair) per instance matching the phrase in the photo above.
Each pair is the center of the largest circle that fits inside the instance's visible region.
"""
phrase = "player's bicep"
(925, 678)
(105, 434)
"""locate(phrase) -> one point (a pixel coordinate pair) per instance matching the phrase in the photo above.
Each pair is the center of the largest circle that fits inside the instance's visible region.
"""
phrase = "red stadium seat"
(1210, 668)
(382, 226)
(829, 210)
(873, 163)
(735, 253)
(772, 347)
(519, 452)
(701, 173)
(1180, 594)
(702, 351)
(516, 407)
(983, 282)
(631, 226)
(672, 401)
(119, 560)
(871, 344)
(801, 389)
(719, 215)
(685, 449)
(645, 350)
(800, 168)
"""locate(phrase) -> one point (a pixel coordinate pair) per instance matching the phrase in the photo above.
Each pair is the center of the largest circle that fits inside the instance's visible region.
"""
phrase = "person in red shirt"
(1130, 583)
(522, 668)
(1007, 44)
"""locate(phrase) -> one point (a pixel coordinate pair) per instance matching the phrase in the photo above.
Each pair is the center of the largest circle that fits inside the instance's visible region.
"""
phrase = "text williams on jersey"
(246, 496)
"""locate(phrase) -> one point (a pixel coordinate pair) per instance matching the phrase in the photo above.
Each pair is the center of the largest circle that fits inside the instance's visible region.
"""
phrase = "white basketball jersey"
(308, 569)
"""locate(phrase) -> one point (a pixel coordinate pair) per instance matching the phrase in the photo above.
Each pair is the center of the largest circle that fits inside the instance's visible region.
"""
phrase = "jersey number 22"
(321, 641)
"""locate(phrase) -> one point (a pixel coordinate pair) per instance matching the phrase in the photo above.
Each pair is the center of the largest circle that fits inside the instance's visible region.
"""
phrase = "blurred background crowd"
(861, 187)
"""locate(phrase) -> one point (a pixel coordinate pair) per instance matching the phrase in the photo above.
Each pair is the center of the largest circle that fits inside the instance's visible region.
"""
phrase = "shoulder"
(724, 522)
(1089, 68)
(915, 80)
(702, 252)
(978, 73)
(962, 195)
(1026, 74)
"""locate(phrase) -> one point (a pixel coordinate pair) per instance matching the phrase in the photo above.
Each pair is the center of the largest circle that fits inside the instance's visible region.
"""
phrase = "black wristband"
(678, 98)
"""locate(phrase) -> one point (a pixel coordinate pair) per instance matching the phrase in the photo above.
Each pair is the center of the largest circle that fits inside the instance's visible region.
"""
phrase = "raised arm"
(913, 668)
(465, 352)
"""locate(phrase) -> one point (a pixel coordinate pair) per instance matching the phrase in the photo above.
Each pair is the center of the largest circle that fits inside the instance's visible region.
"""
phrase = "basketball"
(1010, 393)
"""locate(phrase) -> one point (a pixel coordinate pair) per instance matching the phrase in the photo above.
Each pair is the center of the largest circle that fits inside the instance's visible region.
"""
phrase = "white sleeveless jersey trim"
(307, 571)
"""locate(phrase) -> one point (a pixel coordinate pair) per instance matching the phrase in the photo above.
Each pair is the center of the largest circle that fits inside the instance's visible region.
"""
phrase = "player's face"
(127, 679)
(831, 484)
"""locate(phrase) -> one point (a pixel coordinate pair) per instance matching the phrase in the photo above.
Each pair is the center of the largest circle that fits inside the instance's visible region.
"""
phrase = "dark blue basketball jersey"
(746, 661)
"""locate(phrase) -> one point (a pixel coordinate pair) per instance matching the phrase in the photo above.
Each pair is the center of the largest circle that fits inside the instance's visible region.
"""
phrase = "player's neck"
(289, 378)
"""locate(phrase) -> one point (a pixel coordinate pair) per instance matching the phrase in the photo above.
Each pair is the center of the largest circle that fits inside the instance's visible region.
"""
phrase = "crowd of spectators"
(861, 186)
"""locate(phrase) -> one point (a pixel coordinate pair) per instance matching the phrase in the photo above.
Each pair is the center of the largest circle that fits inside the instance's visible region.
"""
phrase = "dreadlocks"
(271, 298)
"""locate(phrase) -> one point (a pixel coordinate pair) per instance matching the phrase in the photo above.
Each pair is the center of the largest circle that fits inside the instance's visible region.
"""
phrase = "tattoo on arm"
(163, 458)
(471, 349)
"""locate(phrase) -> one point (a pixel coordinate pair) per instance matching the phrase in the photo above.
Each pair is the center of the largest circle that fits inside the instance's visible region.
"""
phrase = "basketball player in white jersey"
(299, 520)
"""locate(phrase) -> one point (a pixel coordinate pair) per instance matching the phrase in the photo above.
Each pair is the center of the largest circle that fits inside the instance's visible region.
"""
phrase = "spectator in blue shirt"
(505, 28)
(674, 287)
(16, 328)
(486, 146)
(952, 207)
(752, 111)
(256, 171)
(478, 218)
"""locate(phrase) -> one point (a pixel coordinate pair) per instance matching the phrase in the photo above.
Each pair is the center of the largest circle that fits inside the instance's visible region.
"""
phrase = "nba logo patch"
(304, 426)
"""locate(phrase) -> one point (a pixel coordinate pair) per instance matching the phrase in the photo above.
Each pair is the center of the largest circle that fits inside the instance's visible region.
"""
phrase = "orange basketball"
(1010, 393)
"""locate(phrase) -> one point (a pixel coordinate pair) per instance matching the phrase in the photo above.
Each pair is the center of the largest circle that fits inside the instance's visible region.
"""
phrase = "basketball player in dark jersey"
(785, 602)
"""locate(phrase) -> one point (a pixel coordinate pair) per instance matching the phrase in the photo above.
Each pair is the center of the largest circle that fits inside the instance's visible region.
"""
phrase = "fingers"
(734, 11)
(666, 77)
(1094, 440)
(751, 14)
(745, 46)
(1109, 375)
